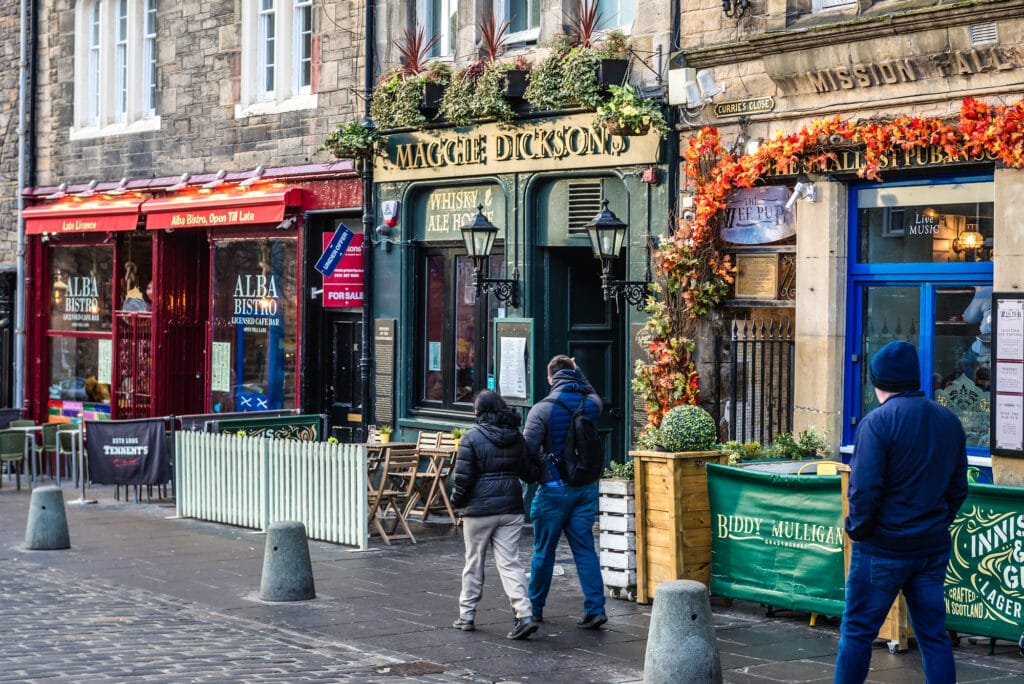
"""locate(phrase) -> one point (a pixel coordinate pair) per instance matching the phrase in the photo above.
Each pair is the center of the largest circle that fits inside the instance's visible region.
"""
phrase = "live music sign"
(344, 288)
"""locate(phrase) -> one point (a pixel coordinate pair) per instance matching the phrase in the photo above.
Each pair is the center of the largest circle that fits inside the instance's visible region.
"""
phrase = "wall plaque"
(757, 276)
(757, 216)
(384, 371)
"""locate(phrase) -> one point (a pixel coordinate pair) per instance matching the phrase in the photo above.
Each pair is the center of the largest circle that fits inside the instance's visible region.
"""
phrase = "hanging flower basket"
(616, 127)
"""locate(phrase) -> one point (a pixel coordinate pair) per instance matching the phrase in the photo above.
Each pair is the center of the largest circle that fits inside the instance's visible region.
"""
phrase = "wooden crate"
(673, 518)
(617, 540)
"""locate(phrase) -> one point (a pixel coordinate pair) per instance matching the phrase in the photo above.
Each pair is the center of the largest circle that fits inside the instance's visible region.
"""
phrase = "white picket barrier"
(252, 482)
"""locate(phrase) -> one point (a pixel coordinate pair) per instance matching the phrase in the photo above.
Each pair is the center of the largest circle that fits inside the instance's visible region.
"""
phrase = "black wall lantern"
(479, 235)
(607, 235)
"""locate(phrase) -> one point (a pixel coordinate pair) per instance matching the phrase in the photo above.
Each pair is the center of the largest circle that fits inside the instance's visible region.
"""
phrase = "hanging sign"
(344, 287)
(127, 452)
(758, 216)
(334, 250)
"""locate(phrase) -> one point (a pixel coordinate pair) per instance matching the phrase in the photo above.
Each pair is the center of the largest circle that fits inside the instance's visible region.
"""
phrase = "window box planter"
(515, 83)
(612, 72)
(432, 94)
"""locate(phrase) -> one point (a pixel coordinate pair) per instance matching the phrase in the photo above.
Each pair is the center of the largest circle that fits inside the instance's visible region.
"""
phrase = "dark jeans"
(871, 587)
(572, 510)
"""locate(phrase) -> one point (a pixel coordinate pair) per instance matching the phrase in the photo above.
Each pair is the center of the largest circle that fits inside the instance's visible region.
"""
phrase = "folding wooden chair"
(392, 492)
(432, 481)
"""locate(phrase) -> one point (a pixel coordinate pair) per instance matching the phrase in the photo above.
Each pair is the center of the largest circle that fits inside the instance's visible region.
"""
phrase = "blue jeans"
(871, 587)
(571, 510)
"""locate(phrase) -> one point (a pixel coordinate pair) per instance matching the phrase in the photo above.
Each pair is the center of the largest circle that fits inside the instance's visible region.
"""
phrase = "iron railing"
(761, 395)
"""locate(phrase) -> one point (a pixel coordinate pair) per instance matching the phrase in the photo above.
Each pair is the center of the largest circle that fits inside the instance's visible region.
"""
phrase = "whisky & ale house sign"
(563, 143)
(778, 539)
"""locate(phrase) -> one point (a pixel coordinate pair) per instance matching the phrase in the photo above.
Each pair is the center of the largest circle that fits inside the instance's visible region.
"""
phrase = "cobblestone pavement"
(144, 597)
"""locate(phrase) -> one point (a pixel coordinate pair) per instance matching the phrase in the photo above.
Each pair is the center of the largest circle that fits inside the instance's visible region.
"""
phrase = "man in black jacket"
(489, 465)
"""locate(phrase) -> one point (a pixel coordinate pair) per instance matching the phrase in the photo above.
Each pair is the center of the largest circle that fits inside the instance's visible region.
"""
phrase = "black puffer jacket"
(490, 462)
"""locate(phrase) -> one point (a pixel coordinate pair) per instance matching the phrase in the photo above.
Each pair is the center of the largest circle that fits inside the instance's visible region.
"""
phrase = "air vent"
(984, 34)
(584, 205)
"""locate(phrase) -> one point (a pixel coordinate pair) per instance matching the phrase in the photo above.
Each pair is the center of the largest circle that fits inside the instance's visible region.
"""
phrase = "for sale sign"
(344, 287)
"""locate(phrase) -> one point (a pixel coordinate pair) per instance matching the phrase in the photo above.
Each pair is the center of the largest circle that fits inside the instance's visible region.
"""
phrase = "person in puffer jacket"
(490, 462)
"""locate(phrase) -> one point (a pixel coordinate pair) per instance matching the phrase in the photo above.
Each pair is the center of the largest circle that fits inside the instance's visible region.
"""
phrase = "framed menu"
(1008, 374)
(513, 355)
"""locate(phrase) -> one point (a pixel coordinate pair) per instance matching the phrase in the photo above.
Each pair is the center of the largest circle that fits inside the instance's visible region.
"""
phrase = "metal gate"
(761, 397)
(134, 351)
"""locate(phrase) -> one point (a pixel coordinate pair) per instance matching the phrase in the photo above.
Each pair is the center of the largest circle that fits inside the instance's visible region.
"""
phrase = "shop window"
(115, 67)
(80, 288)
(80, 371)
(616, 13)
(439, 18)
(278, 63)
(523, 17)
(252, 358)
(454, 357)
(922, 272)
(921, 224)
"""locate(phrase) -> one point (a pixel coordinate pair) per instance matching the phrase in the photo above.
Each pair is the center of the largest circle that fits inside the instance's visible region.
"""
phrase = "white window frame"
(290, 91)
(619, 4)
(829, 5)
(426, 19)
(113, 90)
(503, 10)
(149, 80)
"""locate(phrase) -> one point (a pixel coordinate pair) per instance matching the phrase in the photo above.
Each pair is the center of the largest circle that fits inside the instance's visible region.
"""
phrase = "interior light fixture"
(217, 181)
(180, 184)
(931, 213)
(256, 176)
(969, 239)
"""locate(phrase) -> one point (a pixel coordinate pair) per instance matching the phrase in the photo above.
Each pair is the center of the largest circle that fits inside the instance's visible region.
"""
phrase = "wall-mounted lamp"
(802, 190)
(62, 191)
(256, 176)
(692, 89)
(122, 188)
(735, 8)
(970, 239)
(181, 183)
(607, 235)
(89, 191)
(479, 234)
(217, 181)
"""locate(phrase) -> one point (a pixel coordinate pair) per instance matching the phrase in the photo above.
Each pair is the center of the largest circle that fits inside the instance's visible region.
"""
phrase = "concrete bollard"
(681, 645)
(287, 572)
(47, 527)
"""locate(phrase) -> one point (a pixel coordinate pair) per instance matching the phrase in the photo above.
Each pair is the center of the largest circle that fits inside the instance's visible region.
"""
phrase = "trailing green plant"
(619, 470)
(544, 91)
(478, 92)
(625, 108)
(647, 440)
(458, 432)
(579, 77)
(687, 428)
(356, 139)
(398, 97)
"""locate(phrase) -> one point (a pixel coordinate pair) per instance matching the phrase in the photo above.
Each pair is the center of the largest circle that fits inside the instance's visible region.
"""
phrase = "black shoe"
(592, 621)
(464, 624)
(538, 618)
(523, 628)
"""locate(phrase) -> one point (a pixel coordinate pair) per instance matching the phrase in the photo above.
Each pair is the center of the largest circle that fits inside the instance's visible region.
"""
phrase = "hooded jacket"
(909, 476)
(547, 424)
(489, 464)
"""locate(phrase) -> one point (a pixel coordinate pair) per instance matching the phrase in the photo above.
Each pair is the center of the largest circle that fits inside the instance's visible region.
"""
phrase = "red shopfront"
(186, 303)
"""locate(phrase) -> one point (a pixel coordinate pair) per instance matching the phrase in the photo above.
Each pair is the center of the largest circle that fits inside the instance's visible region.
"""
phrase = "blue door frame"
(926, 276)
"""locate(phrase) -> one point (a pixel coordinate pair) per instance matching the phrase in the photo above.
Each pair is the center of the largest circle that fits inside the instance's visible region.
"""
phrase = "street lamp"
(479, 234)
(607, 235)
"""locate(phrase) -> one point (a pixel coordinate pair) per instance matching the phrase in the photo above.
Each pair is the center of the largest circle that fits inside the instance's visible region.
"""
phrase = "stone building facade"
(787, 63)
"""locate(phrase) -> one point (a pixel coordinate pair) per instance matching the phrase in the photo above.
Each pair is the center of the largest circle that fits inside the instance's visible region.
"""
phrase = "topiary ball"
(687, 428)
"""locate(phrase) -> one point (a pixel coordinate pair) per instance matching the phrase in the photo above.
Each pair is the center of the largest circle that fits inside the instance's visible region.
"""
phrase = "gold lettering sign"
(564, 143)
(853, 160)
(756, 105)
(757, 277)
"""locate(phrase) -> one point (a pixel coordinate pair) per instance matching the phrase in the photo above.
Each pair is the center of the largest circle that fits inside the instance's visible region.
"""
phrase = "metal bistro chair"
(12, 452)
(21, 422)
(66, 437)
(47, 449)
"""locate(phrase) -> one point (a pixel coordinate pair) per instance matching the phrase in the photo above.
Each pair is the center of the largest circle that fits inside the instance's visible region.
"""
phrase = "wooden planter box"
(617, 540)
(673, 518)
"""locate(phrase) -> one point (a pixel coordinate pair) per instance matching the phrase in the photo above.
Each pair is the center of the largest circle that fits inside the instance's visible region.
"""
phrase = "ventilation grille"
(984, 34)
(584, 205)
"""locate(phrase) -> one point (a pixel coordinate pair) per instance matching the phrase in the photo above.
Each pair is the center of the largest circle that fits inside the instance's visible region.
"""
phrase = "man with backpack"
(561, 432)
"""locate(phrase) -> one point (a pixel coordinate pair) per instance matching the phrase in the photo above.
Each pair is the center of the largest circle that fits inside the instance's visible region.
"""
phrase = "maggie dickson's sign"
(564, 143)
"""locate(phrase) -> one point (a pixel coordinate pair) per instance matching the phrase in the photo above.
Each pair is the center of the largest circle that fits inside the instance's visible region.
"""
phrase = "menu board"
(513, 352)
(1008, 374)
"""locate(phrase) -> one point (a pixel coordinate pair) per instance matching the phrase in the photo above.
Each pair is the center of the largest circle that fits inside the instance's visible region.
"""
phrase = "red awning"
(222, 209)
(75, 215)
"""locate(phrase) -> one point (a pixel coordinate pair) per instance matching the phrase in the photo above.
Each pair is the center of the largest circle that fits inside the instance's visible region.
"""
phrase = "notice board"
(513, 360)
(1007, 412)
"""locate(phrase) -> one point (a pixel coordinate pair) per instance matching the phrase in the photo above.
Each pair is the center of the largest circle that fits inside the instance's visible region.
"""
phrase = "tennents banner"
(127, 452)
(777, 538)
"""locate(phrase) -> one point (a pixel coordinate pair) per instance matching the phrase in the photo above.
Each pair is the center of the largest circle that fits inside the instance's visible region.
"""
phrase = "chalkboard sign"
(1008, 374)
(513, 360)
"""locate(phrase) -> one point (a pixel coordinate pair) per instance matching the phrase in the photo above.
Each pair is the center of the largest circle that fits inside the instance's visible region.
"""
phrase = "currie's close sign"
(564, 143)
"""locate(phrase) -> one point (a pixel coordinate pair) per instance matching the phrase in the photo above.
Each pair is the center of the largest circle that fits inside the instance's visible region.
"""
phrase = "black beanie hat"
(895, 368)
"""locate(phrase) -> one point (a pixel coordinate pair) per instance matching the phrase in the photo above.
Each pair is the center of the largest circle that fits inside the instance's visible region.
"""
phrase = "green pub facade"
(538, 182)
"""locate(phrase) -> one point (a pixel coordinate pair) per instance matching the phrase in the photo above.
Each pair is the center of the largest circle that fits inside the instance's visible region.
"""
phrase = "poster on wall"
(220, 367)
(1008, 374)
(104, 362)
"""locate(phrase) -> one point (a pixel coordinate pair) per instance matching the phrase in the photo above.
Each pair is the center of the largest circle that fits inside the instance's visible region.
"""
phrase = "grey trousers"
(500, 532)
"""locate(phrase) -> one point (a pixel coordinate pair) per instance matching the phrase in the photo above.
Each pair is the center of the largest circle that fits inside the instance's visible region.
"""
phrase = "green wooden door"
(574, 319)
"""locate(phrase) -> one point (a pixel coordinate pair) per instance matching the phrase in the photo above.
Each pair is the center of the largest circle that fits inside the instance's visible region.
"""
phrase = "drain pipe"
(24, 97)
(366, 173)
